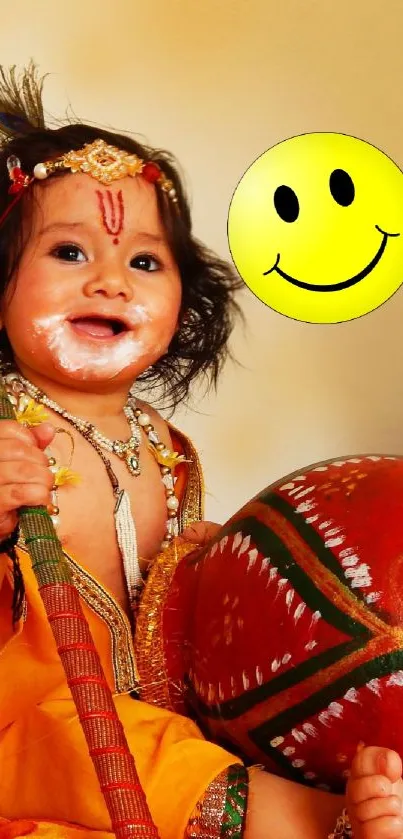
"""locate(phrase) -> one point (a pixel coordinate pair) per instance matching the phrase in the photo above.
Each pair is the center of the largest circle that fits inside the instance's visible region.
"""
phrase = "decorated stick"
(107, 744)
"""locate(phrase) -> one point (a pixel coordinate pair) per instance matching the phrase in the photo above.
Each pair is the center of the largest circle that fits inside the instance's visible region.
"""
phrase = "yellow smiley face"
(315, 228)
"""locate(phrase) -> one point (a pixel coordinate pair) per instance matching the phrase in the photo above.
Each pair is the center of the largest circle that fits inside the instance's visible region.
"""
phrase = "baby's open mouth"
(98, 327)
(335, 286)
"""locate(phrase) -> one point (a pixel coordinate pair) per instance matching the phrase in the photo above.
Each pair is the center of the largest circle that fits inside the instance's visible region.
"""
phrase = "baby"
(102, 284)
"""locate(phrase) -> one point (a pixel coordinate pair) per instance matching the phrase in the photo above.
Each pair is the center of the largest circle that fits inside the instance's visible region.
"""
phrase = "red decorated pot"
(284, 638)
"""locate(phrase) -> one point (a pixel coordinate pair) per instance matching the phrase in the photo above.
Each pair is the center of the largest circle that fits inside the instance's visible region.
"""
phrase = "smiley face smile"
(335, 286)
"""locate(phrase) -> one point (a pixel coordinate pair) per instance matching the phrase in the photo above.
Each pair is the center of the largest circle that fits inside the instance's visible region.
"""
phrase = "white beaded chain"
(167, 476)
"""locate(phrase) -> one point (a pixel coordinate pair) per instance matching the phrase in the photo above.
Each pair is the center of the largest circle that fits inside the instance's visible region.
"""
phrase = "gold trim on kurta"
(148, 642)
(105, 607)
(148, 639)
(192, 502)
(207, 820)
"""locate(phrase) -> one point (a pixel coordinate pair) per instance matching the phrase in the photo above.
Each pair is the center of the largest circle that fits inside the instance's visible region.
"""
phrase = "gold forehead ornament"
(101, 161)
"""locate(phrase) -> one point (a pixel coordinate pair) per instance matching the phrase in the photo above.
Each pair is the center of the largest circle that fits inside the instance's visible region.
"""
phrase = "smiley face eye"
(342, 187)
(286, 203)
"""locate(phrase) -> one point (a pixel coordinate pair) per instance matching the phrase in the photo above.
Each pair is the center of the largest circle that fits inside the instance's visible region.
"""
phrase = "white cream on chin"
(85, 358)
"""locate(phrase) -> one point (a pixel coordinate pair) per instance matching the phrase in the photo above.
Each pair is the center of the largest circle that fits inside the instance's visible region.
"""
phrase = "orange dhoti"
(48, 785)
(46, 771)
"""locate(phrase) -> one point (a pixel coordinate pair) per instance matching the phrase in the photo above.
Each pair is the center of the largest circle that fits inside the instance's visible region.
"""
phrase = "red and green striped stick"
(107, 744)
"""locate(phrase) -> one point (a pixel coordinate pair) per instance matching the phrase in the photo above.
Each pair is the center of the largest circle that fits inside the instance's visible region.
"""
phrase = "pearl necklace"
(18, 388)
(127, 451)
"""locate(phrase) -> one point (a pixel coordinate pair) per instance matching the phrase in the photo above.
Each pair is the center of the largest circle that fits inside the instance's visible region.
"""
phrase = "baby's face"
(97, 294)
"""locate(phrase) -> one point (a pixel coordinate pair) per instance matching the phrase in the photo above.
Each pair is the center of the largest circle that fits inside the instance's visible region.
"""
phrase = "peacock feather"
(21, 105)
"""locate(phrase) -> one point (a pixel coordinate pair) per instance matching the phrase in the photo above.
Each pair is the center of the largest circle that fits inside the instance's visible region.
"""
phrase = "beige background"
(218, 83)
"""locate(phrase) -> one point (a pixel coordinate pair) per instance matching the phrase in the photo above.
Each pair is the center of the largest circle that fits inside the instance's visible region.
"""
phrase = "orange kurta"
(46, 774)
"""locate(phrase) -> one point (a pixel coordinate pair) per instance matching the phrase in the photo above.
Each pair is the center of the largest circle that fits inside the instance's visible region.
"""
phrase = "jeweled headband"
(99, 160)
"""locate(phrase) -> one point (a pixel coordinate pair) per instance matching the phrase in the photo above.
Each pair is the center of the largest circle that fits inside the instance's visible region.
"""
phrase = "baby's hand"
(375, 794)
(201, 532)
(25, 479)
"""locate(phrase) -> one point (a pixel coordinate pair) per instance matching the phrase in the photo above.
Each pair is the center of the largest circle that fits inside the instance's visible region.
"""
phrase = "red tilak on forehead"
(112, 211)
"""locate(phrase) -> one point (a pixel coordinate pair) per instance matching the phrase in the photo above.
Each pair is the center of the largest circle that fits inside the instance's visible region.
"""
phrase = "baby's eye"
(145, 262)
(69, 253)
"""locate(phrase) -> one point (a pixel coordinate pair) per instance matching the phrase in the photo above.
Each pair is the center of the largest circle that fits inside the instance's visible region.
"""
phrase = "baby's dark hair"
(208, 310)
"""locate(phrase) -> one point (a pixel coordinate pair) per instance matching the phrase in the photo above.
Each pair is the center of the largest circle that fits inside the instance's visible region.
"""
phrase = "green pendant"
(132, 463)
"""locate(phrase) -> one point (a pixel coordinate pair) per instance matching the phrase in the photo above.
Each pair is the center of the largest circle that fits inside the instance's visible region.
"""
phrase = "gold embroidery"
(148, 639)
(105, 606)
(192, 503)
(207, 819)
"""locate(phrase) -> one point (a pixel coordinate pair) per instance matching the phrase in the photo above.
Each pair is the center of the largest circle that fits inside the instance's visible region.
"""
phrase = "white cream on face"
(137, 314)
(85, 358)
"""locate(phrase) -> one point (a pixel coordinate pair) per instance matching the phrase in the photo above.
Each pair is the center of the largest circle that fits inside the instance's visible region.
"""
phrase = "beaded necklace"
(20, 389)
